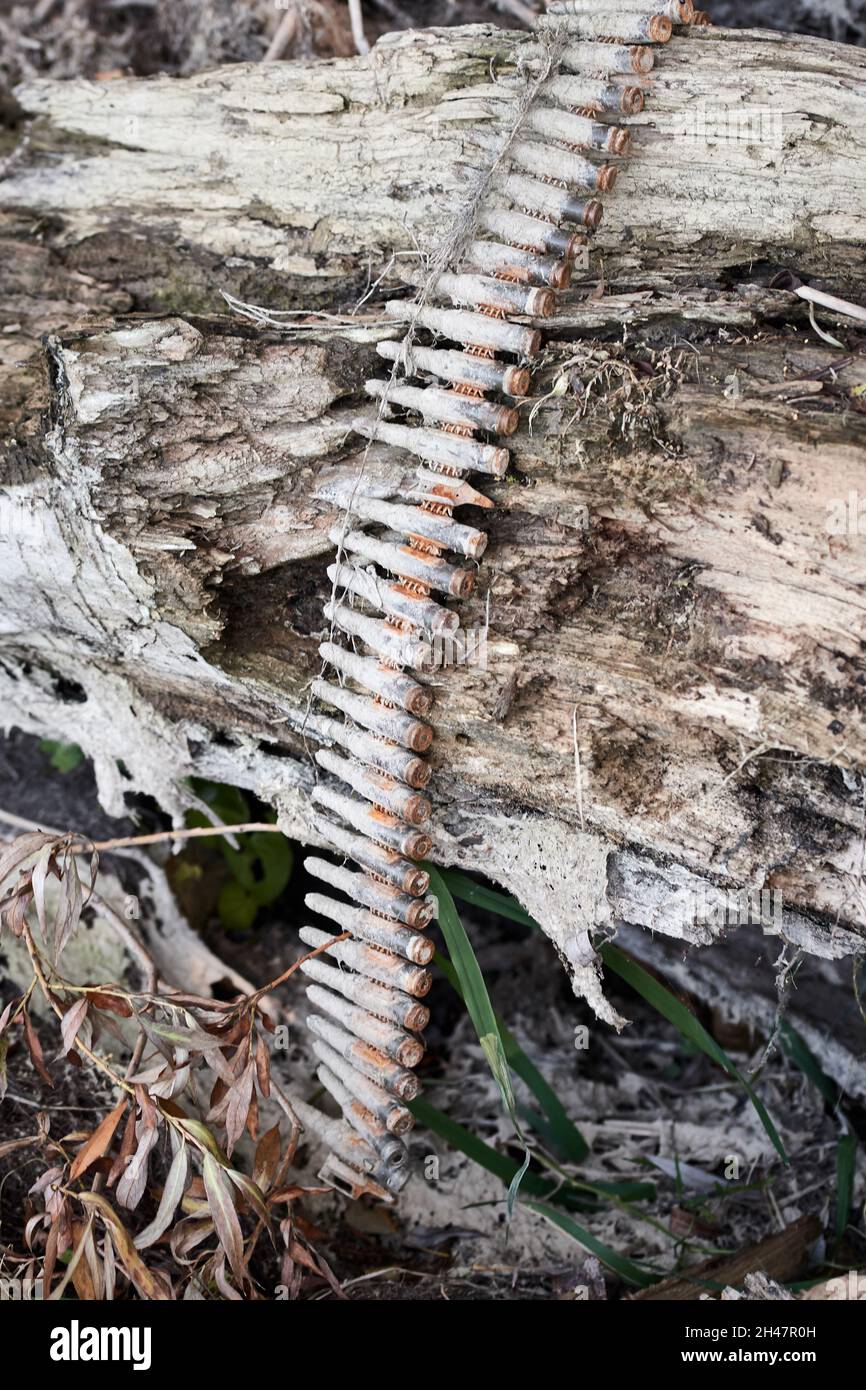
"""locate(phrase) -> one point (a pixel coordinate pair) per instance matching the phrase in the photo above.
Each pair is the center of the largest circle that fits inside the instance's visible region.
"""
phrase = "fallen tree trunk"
(675, 630)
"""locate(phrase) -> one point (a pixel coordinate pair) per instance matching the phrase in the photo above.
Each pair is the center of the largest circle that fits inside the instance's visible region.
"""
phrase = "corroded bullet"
(380, 826)
(390, 685)
(414, 521)
(386, 900)
(405, 1048)
(376, 965)
(378, 999)
(408, 564)
(460, 367)
(388, 864)
(463, 326)
(382, 790)
(392, 724)
(367, 1060)
(449, 406)
(394, 600)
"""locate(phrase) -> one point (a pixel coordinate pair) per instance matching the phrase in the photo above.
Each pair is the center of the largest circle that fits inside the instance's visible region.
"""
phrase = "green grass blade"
(798, 1050)
(468, 891)
(473, 990)
(552, 1122)
(454, 1134)
(846, 1153)
(505, 1168)
(620, 1265)
(655, 994)
(664, 1002)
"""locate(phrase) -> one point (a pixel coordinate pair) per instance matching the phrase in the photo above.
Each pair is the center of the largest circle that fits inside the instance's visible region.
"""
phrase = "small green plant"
(545, 1186)
(63, 757)
(259, 868)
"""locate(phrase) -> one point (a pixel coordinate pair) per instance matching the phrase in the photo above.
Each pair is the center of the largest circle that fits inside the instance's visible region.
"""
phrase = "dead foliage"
(154, 1200)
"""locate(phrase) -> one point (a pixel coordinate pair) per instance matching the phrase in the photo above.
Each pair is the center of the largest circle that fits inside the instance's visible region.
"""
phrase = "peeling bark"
(661, 575)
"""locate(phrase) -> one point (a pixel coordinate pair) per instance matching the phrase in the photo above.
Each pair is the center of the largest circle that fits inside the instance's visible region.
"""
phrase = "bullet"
(461, 367)
(382, 680)
(404, 1047)
(390, 1004)
(375, 964)
(378, 788)
(393, 599)
(450, 406)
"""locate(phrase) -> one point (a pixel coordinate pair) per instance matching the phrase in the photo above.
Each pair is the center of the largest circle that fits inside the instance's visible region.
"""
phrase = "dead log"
(781, 1256)
(668, 601)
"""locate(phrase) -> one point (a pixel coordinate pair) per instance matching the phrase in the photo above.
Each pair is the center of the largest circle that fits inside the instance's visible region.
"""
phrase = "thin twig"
(356, 15)
(578, 781)
(159, 836)
(286, 33)
(830, 301)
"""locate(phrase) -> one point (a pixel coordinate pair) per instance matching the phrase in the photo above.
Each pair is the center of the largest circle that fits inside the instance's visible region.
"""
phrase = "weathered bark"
(661, 575)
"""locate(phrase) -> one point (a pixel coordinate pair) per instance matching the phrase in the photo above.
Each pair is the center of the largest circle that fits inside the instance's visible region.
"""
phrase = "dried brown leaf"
(127, 1145)
(38, 875)
(253, 1118)
(225, 1218)
(98, 1144)
(263, 1066)
(71, 1022)
(130, 1188)
(251, 1192)
(110, 1003)
(146, 1282)
(239, 1097)
(34, 1047)
(169, 1201)
(267, 1159)
(20, 849)
(69, 905)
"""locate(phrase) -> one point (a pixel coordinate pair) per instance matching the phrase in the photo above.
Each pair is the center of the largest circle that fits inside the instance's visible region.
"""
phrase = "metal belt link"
(398, 562)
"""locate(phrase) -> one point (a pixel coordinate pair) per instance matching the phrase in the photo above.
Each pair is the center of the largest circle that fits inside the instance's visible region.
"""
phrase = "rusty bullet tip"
(593, 213)
(506, 423)
(540, 303)
(606, 177)
(417, 808)
(632, 100)
(574, 246)
(419, 701)
(417, 1017)
(462, 584)
(410, 1052)
(420, 738)
(533, 348)
(659, 28)
(423, 951)
(516, 381)
(417, 775)
(619, 140)
(642, 58)
(560, 275)
(416, 882)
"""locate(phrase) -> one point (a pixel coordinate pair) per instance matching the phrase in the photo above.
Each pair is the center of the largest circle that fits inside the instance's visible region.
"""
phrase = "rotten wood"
(781, 1257)
(662, 560)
